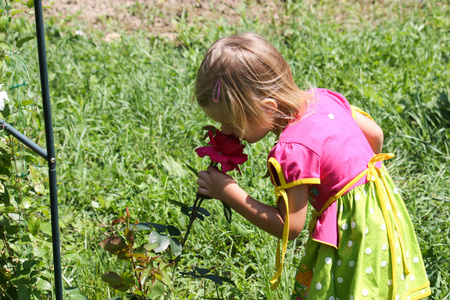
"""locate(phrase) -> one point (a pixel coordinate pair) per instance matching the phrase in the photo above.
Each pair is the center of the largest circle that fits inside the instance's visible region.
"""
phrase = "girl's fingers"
(202, 191)
(203, 175)
(201, 182)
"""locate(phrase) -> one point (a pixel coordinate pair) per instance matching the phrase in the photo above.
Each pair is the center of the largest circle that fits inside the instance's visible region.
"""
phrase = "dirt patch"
(155, 16)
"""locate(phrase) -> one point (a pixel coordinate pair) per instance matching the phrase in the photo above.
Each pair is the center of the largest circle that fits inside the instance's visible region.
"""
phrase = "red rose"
(225, 149)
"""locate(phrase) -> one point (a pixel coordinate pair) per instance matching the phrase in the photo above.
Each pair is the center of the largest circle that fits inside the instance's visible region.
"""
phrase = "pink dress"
(327, 150)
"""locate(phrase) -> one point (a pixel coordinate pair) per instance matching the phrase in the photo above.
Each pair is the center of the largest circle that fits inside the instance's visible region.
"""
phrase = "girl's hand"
(215, 184)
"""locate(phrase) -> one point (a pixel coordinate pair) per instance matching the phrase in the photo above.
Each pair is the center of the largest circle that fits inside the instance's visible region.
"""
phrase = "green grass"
(125, 128)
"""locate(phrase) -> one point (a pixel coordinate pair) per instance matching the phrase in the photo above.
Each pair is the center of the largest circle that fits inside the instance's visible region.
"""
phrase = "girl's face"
(255, 132)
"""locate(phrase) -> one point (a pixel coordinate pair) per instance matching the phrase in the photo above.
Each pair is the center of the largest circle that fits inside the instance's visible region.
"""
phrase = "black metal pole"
(50, 148)
(26, 141)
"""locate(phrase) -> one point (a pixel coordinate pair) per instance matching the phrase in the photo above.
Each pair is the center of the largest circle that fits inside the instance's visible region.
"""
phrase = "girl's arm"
(372, 132)
(215, 184)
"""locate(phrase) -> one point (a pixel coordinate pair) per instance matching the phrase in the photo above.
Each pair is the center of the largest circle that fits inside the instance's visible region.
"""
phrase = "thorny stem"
(197, 203)
(195, 207)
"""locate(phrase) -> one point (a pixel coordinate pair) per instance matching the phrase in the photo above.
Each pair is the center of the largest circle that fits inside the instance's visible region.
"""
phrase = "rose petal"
(212, 152)
(238, 159)
(219, 158)
(228, 166)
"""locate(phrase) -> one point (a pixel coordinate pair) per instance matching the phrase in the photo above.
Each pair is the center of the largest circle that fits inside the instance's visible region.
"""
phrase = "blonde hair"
(241, 71)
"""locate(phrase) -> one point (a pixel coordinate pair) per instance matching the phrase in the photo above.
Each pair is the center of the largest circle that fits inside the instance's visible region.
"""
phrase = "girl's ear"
(270, 103)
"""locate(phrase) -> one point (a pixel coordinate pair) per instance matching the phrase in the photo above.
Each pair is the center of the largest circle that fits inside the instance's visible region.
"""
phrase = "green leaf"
(128, 279)
(24, 103)
(202, 271)
(39, 189)
(39, 252)
(113, 244)
(14, 12)
(158, 288)
(227, 212)
(173, 231)
(192, 170)
(112, 278)
(226, 279)
(24, 292)
(30, 3)
(43, 285)
(175, 245)
(159, 227)
(178, 203)
(214, 278)
(162, 239)
(151, 246)
(143, 226)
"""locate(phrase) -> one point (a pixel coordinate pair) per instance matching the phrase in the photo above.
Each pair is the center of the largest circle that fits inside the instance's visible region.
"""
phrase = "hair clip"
(216, 88)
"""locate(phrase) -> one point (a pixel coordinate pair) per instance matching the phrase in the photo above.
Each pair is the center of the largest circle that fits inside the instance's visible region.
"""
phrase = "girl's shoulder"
(329, 111)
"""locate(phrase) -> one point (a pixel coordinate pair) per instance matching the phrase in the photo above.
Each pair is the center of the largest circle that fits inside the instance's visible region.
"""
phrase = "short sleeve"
(297, 164)
(357, 109)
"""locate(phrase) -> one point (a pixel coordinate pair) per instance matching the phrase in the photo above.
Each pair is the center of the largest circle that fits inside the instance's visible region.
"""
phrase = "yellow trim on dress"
(374, 174)
(357, 109)
(280, 192)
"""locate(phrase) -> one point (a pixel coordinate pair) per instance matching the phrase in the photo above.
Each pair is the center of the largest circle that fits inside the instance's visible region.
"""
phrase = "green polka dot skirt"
(367, 264)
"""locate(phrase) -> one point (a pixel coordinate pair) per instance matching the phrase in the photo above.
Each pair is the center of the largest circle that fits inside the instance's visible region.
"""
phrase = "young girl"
(362, 243)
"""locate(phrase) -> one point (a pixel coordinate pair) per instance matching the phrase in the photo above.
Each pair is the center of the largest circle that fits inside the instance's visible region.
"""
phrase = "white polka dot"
(331, 298)
(331, 116)
(353, 224)
(396, 234)
(403, 277)
(318, 286)
(396, 245)
(352, 263)
(388, 206)
(390, 282)
(407, 253)
(371, 210)
(406, 287)
(350, 243)
(313, 270)
(399, 260)
(357, 197)
(368, 251)
(328, 260)
(395, 190)
(367, 231)
(384, 263)
(383, 226)
(397, 297)
(344, 226)
(368, 270)
(365, 192)
(399, 215)
(342, 207)
(415, 260)
(384, 247)
(340, 279)
(422, 291)
(365, 292)
(351, 297)
(412, 278)
(409, 298)
(339, 262)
